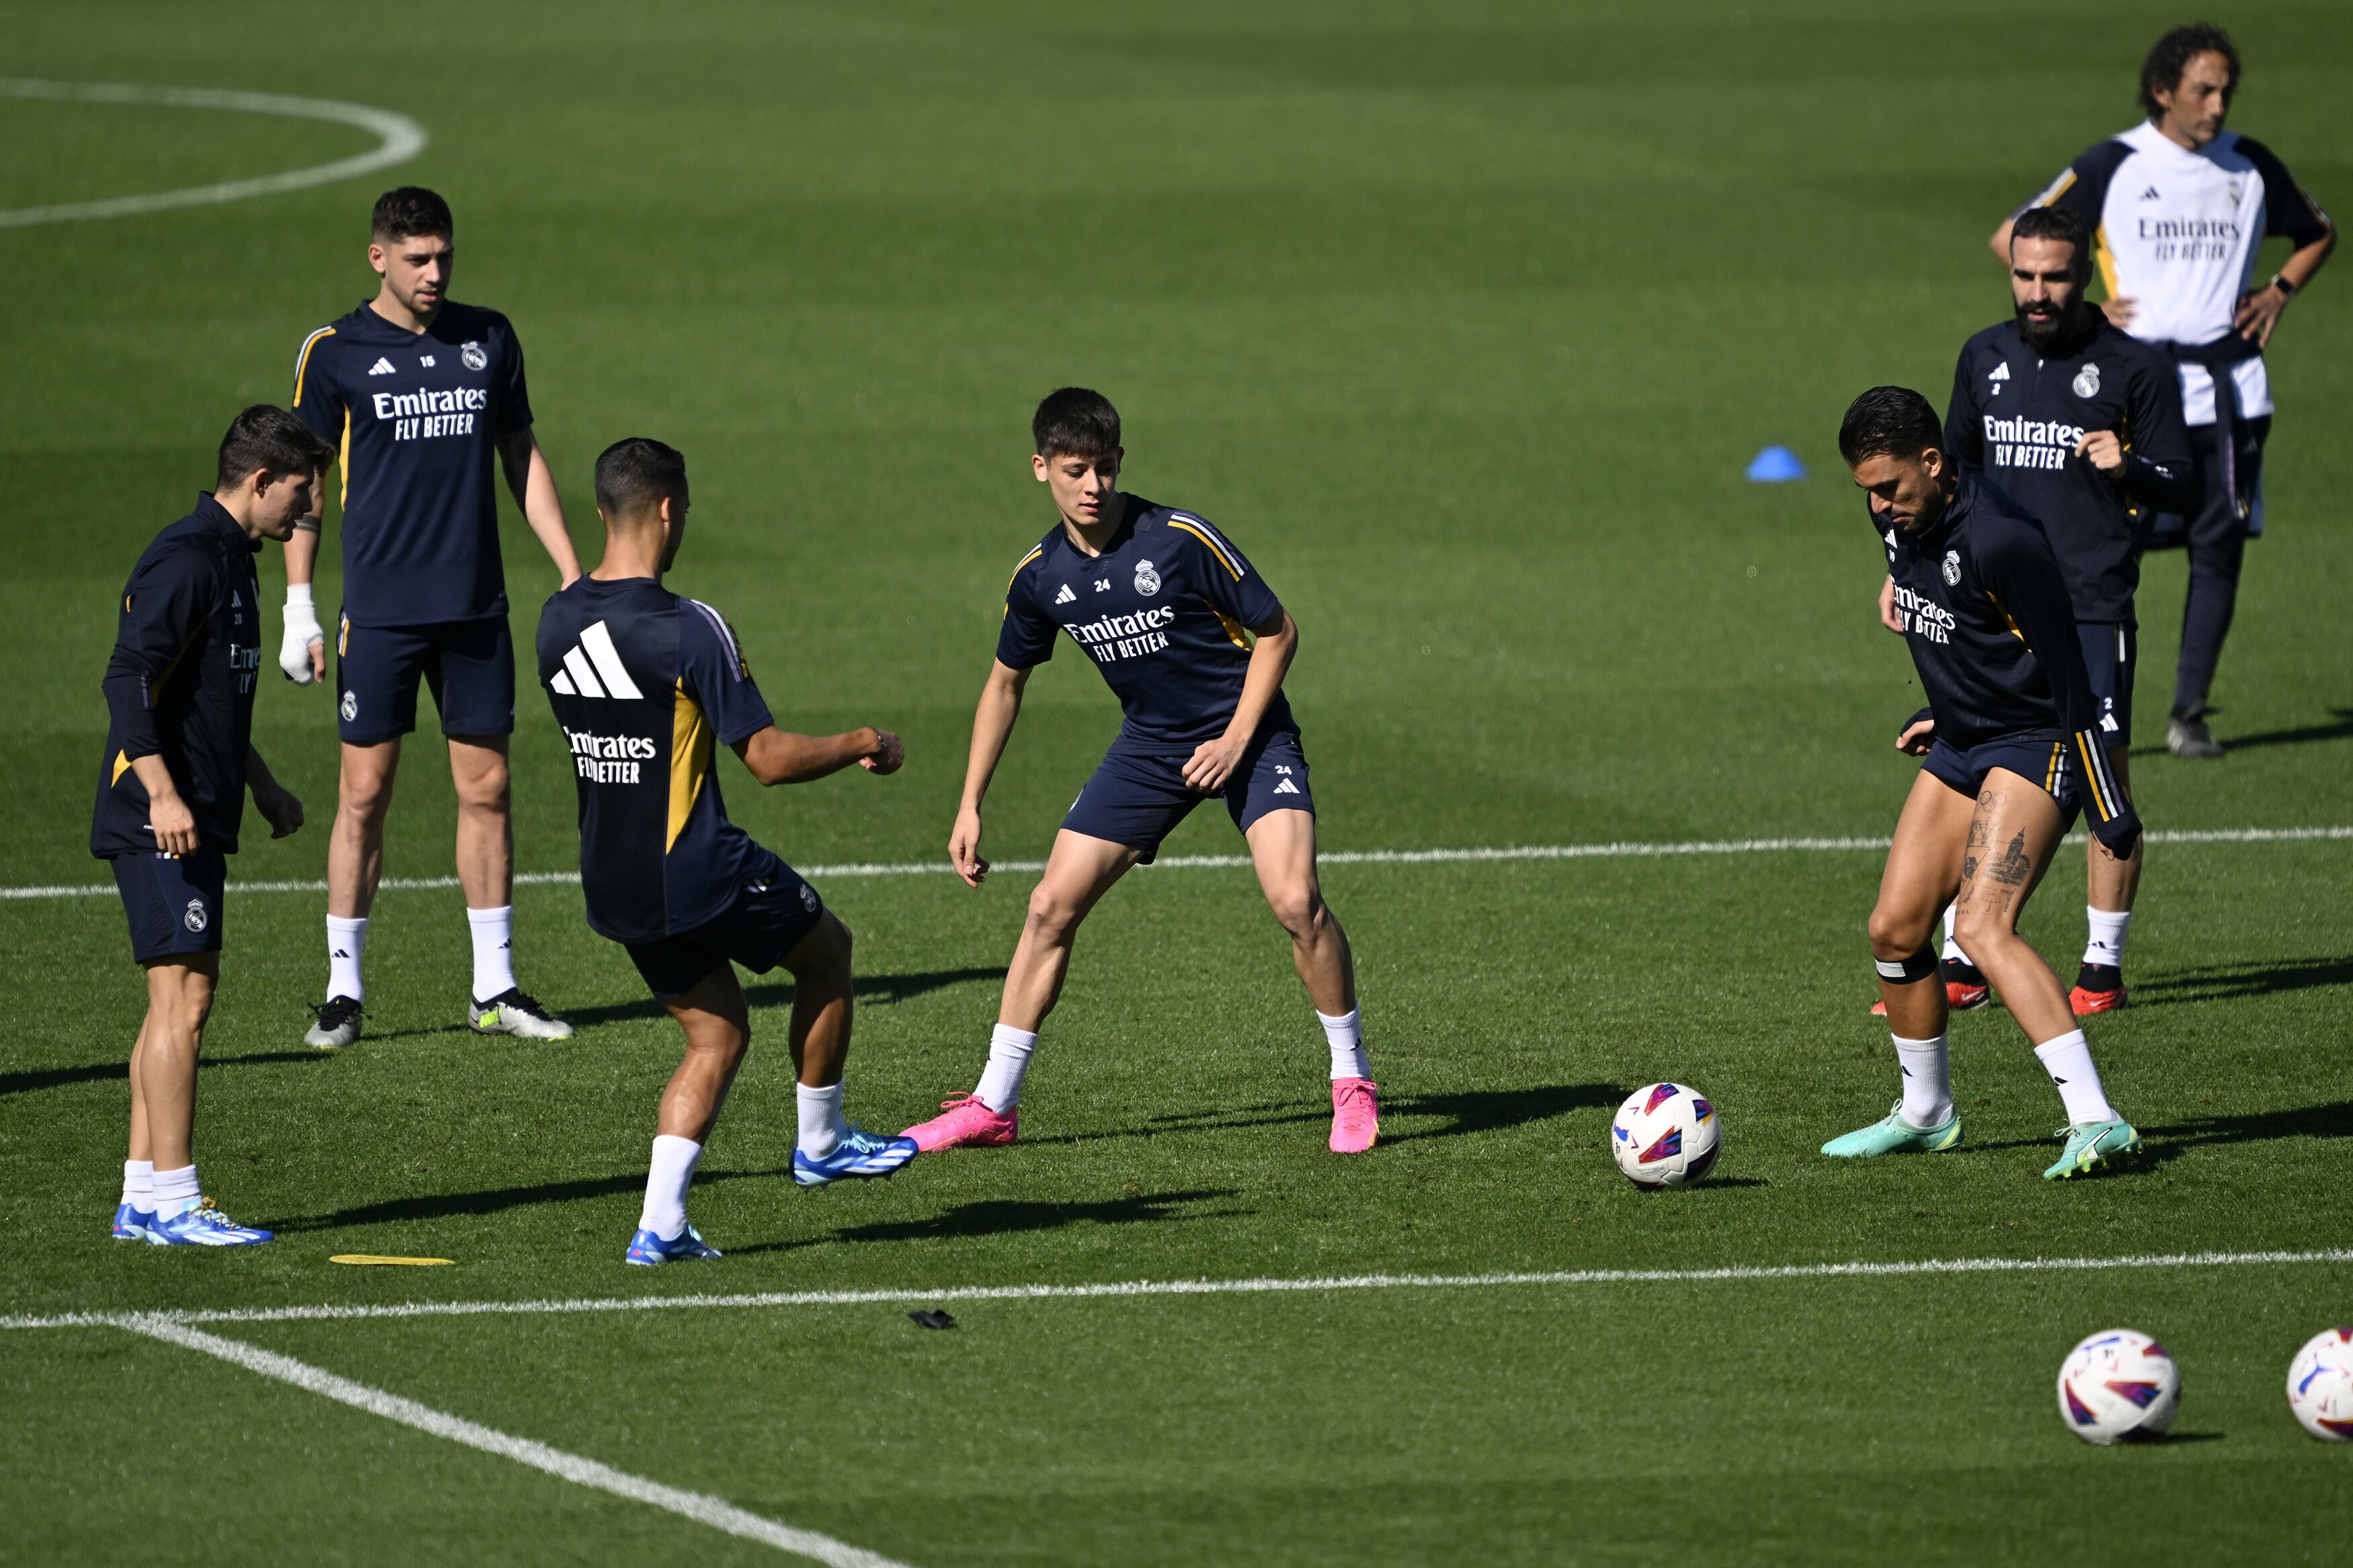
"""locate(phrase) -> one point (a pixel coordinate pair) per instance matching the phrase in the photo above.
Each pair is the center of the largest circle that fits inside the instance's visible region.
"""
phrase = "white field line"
(1131, 1288)
(1624, 849)
(700, 1507)
(399, 139)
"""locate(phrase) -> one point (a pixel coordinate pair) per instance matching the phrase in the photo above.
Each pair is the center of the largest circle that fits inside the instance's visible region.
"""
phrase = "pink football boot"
(965, 1121)
(1356, 1115)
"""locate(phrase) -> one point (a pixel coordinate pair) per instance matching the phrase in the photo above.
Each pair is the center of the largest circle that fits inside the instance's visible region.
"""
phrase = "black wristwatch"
(2280, 282)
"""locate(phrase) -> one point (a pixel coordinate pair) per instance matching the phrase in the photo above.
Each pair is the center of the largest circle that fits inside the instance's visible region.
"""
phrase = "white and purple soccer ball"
(2320, 1384)
(2118, 1386)
(1666, 1135)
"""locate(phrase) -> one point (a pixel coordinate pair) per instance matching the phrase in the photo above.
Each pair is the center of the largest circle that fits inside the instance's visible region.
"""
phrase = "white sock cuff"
(1007, 1034)
(177, 1188)
(347, 925)
(503, 915)
(2073, 1040)
(1931, 1043)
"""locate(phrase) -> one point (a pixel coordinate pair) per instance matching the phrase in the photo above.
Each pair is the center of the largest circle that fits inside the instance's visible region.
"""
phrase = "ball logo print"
(2120, 1385)
(2320, 1384)
(193, 916)
(1147, 581)
(475, 355)
(1665, 1135)
(349, 707)
(1952, 568)
(2087, 382)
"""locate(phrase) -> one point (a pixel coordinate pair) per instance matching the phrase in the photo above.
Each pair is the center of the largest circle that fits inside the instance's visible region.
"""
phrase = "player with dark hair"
(2179, 207)
(1195, 644)
(646, 684)
(2011, 741)
(2078, 423)
(424, 399)
(171, 793)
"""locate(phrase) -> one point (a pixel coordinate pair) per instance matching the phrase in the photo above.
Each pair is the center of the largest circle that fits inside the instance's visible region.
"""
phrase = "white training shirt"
(2177, 231)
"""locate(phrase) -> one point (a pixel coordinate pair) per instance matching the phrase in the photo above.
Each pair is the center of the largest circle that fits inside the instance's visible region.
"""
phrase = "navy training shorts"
(2040, 759)
(174, 903)
(1138, 795)
(2111, 649)
(470, 665)
(768, 919)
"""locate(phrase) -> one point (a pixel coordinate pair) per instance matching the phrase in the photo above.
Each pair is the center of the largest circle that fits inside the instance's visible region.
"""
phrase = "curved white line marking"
(401, 139)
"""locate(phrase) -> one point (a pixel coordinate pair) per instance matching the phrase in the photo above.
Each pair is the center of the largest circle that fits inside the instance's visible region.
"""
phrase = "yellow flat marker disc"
(370, 1259)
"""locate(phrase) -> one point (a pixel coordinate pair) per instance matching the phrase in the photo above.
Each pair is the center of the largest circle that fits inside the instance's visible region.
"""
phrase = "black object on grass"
(926, 1317)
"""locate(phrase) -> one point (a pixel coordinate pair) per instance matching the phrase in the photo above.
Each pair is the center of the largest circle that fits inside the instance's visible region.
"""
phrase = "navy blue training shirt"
(179, 685)
(1165, 612)
(648, 685)
(1992, 633)
(415, 419)
(2016, 415)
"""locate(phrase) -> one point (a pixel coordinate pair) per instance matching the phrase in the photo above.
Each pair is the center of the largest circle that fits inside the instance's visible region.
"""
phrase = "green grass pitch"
(1463, 320)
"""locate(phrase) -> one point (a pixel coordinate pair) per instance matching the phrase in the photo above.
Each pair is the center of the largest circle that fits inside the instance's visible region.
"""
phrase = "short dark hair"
(1888, 421)
(1075, 422)
(266, 436)
(407, 212)
(636, 472)
(2161, 72)
(2058, 222)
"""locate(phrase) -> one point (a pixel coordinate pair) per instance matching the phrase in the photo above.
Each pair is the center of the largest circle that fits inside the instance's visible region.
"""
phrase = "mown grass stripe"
(1622, 850)
(1131, 1288)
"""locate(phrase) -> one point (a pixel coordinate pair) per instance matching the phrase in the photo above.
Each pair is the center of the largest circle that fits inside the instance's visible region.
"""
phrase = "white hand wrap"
(302, 631)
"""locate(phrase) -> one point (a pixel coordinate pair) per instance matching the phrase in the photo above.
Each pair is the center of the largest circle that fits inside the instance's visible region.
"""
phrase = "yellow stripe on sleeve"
(1223, 560)
(302, 360)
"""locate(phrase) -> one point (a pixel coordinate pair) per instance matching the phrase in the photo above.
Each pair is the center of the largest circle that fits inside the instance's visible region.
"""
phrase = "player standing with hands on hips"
(2180, 207)
(2077, 423)
(2012, 749)
(171, 793)
(421, 396)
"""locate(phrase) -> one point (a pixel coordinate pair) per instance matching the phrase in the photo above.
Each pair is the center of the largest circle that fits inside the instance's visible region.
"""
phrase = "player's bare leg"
(827, 1148)
(1078, 871)
(355, 866)
(478, 768)
(2110, 885)
(2013, 836)
(718, 1028)
(1923, 870)
(137, 1206)
(1283, 852)
(179, 1002)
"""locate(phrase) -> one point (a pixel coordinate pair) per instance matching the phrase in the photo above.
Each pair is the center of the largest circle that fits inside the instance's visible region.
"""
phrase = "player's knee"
(366, 794)
(1299, 910)
(1975, 928)
(822, 959)
(1053, 914)
(486, 789)
(1898, 934)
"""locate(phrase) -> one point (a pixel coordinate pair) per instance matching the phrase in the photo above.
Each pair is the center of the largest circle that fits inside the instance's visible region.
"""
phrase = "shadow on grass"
(872, 990)
(495, 1200)
(2334, 1119)
(1472, 1110)
(2238, 982)
(1014, 1217)
(57, 1078)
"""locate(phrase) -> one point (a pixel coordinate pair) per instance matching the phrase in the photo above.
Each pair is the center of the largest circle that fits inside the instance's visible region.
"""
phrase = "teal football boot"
(2091, 1145)
(1895, 1136)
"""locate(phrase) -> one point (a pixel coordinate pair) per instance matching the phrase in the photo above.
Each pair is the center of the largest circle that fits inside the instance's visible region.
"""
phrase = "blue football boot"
(130, 1224)
(860, 1154)
(649, 1250)
(202, 1226)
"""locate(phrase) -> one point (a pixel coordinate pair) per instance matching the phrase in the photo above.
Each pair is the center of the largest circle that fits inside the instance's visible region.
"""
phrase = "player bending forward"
(171, 792)
(644, 683)
(2012, 740)
(1166, 608)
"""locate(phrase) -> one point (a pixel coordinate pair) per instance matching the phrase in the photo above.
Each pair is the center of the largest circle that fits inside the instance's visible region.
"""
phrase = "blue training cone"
(1776, 466)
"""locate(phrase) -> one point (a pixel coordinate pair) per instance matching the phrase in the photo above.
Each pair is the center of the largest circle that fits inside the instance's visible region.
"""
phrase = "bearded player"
(1196, 645)
(2012, 746)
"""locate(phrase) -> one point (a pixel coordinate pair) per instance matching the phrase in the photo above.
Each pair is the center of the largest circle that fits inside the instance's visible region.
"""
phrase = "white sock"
(1347, 1037)
(1953, 949)
(346, 942)
(139, 1185)
(1927, 1081)
(494, 952)
(822, 1128)
(2107, 943)
(673, 1168)
(1008, 1064)
(2068, 1060)
(176, 1192)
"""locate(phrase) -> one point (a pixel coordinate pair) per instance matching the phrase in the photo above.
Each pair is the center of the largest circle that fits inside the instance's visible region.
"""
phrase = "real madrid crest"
(475, 356)
(1147, 581)
(1952, 568)
(2087, 382)
(194, 917)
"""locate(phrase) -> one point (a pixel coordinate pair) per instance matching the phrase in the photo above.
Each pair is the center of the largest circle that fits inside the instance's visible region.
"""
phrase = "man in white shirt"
(2179, 207)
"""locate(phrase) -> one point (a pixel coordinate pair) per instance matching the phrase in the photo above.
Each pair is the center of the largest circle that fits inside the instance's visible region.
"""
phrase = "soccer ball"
(2320, 1384)
(2118, 1384)
(1665, 1136)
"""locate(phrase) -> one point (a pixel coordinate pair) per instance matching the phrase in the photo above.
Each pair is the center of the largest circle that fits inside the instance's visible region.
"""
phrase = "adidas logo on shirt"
(381, 367)
(1065, 597)
(2150, 194)
(1998, 372)
(593, 668)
